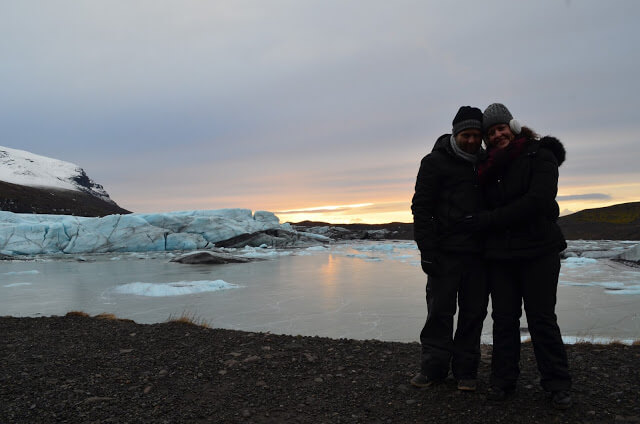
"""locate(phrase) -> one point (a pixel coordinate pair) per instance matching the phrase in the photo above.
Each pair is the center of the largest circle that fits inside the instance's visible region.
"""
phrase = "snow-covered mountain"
(28, 169)
(31, 183)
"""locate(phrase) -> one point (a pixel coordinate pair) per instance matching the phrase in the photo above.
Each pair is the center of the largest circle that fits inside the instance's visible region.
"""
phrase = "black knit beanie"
(466, 118)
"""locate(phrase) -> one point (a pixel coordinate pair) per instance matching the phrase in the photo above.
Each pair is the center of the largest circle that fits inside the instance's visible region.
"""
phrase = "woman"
(520, 180)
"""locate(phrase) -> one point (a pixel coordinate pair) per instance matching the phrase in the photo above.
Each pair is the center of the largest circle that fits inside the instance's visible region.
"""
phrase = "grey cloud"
(587, 196)
(242, 91)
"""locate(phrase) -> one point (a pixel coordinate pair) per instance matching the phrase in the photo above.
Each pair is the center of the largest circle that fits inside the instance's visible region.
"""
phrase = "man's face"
(469, 140)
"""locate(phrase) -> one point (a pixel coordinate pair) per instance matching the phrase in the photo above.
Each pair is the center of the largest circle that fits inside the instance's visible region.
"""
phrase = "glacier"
(31, 234)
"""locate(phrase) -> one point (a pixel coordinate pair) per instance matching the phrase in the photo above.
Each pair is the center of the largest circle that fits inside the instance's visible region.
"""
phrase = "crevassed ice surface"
(31, 234)
(362, 290)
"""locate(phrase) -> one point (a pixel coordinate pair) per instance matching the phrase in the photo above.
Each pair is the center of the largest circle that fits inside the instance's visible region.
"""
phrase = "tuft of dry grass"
(190, 319)
(76, 314)
(106, 316)
(636, 343)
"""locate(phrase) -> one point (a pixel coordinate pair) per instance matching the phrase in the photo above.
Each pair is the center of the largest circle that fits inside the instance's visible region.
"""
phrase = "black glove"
(429, 262)
(474, 223)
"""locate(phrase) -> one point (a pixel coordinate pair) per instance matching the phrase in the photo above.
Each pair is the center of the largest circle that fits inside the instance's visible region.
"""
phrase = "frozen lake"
(363, 290)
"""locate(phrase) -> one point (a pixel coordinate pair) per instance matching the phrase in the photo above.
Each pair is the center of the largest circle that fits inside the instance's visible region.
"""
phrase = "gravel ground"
(79, 369)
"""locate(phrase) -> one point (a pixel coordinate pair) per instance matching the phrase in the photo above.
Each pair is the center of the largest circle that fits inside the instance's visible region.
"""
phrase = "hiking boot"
(421, 380)
(467, 385)
(561, 399)
(498, 394)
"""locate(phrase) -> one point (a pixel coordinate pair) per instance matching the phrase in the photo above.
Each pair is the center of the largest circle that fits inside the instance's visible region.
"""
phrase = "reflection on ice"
(179, 288)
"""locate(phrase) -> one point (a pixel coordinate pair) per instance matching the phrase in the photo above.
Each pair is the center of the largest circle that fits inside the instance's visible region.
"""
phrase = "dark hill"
(45, 200)
(617, 222)
(399, 230)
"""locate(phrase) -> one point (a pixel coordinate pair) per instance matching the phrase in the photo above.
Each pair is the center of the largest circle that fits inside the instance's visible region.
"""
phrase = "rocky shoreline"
(78, 369)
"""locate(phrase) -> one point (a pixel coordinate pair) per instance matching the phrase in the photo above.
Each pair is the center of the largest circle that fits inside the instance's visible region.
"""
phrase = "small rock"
(126, 350)
(318, 380)
(411, 401)
(163, 372)
(631, 419)
(310, 357)
(96, 399)
(146, 390)
(231, 362)
(260, 383)
(252, 358)
(246, 413)
(236, 354)
(222, 372)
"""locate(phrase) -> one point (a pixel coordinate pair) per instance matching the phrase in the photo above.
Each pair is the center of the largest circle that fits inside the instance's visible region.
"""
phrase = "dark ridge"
(617, 222)
(44, 200)
(397, 230)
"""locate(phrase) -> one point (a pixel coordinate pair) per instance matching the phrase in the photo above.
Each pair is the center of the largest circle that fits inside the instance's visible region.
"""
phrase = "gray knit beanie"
(495, 113)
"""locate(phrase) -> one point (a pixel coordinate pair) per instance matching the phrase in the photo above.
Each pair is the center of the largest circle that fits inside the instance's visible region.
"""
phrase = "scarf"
(470, 157)
(498, 159)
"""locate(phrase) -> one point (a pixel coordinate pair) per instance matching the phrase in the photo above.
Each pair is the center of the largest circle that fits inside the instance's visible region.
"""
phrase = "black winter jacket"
(521, 198)
(447, 190)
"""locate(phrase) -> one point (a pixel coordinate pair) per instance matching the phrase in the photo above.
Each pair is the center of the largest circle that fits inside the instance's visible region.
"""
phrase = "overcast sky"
(291, 105)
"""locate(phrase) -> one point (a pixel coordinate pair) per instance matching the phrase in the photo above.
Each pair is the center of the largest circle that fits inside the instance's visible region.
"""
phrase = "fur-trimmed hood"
(555, 146)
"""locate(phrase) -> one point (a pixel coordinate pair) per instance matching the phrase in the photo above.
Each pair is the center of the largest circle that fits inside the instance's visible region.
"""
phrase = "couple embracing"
(485, 222)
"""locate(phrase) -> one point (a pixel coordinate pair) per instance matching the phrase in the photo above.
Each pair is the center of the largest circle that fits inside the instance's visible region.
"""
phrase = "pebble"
(252, 358)
(319, 380)
(222, 372)
(146, 390)
(411, 401)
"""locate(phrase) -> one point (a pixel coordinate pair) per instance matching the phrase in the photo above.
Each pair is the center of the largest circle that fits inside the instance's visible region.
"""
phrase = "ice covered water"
(363, 290)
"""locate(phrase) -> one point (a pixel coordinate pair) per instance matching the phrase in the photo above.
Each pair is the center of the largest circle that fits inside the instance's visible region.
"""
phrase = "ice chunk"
(17, 284)
(179, 288)
(632, 254)
(574, 262)
(317, 248)
(31, 272)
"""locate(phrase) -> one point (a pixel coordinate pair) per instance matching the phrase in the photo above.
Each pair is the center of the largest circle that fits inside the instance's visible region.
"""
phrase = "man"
(446, 191)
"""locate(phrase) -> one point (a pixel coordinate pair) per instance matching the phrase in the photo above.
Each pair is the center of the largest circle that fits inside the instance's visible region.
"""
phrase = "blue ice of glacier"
(30, 234)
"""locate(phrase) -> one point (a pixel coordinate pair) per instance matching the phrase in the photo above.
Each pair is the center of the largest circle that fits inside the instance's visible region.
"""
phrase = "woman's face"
(499, 136)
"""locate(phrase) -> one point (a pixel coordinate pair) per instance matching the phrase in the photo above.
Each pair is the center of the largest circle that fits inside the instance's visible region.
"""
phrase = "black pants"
(462, 277)
(534, 280)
